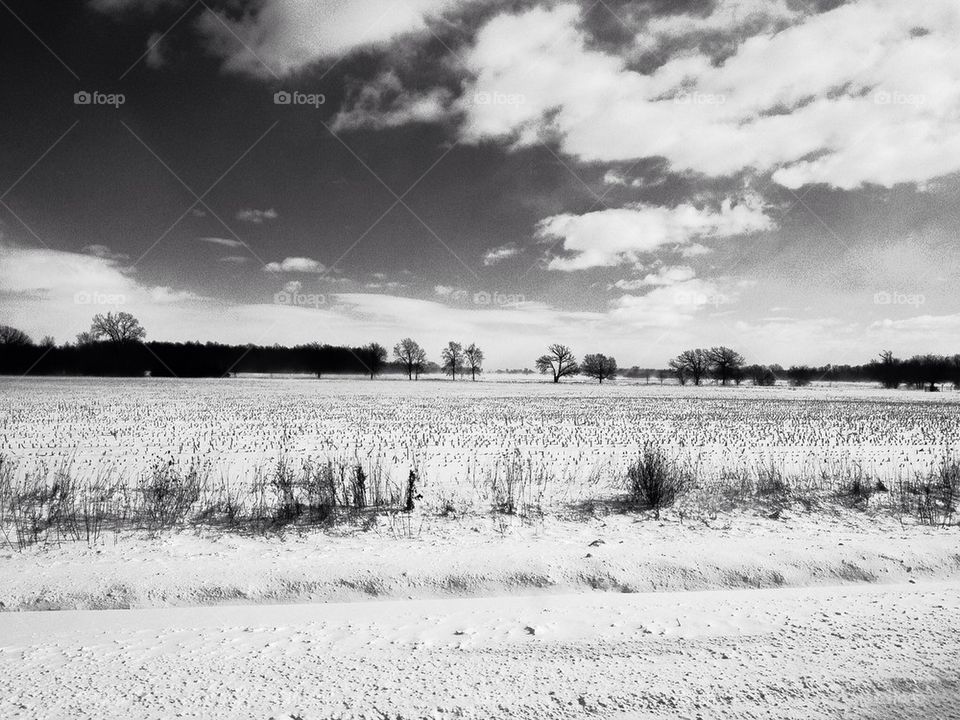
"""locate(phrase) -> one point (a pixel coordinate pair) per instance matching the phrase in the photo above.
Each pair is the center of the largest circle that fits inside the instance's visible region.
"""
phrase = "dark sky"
(623, 177)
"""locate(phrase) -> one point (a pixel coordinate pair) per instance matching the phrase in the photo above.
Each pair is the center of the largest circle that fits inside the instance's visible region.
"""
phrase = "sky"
(631, 178)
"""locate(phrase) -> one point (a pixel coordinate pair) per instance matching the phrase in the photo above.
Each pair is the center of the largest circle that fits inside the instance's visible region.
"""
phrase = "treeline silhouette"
(115, 345)
(166, 359)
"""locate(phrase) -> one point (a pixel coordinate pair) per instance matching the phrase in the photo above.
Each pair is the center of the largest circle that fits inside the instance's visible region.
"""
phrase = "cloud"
(669, 275)
(384, 103)
(226, 242)
(165, 294)
(669, 305)
(57, 293)
(235, 259)
(609, 237)
(845, 97)
(283, 36)
(295, 264)
(155, 57)
(724, 18)
(104, 252)
(257, 216)
(496, 255)
(39, 290)
(449, 292)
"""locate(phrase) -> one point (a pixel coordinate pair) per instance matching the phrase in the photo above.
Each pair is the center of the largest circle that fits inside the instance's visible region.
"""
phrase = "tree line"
(116, 345)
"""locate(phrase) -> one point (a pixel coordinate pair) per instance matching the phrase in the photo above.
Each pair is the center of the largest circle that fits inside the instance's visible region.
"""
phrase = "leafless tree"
(13, 336)
(474, 359)
(599, 367)
(691, 364)
(452, 357)
(411, 355)
(373, 356)
(724, 363)
(559, 360)
(85, 338)
(120, 328)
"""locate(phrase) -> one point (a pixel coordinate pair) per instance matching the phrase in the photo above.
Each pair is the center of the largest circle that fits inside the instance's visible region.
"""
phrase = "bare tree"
(48, 342)
(599, 367)
(679, 368)
(474, 358)
(85, 338)
(452, 357)
(373, 356)
(691, 363)
(724, 363)
(13, 336)
(559, 360)
(120, 328)
(411, 355)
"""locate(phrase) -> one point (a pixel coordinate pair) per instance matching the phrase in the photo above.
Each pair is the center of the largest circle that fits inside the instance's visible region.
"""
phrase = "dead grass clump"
(932, 498)
(655, 481)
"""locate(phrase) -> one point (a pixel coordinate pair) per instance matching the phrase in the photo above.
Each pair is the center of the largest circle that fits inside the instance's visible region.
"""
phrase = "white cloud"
(670, 275)
(724, 17)
(448, 292)
(694, 250)
(295, 264)
(670, 305)
(52, 292)
(39, 291)
(385, 103)
(257, 216)
(235, 259)
(497, 255)
(844, 97)
(165, 294)
(226, 242)
(616, 235)
(104, 252)
(283, 36)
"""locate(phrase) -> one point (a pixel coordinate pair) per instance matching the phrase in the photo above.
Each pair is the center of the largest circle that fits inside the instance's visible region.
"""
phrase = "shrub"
(856, 488)
(167, 494)
(654, 481)
(283, 483)
(770, 481)
(933, 497)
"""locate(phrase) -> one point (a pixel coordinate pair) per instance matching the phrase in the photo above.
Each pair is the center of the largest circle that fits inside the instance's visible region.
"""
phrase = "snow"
(865, 652)
(815, 610)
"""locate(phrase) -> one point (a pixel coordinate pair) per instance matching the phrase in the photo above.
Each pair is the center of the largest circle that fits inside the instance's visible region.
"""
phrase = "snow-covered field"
(454, 432)
(799, 608)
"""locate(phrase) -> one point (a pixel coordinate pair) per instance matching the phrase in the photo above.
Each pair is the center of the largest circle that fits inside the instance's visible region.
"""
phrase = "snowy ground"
(795, 606)
(887, 651)
(616, 617)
